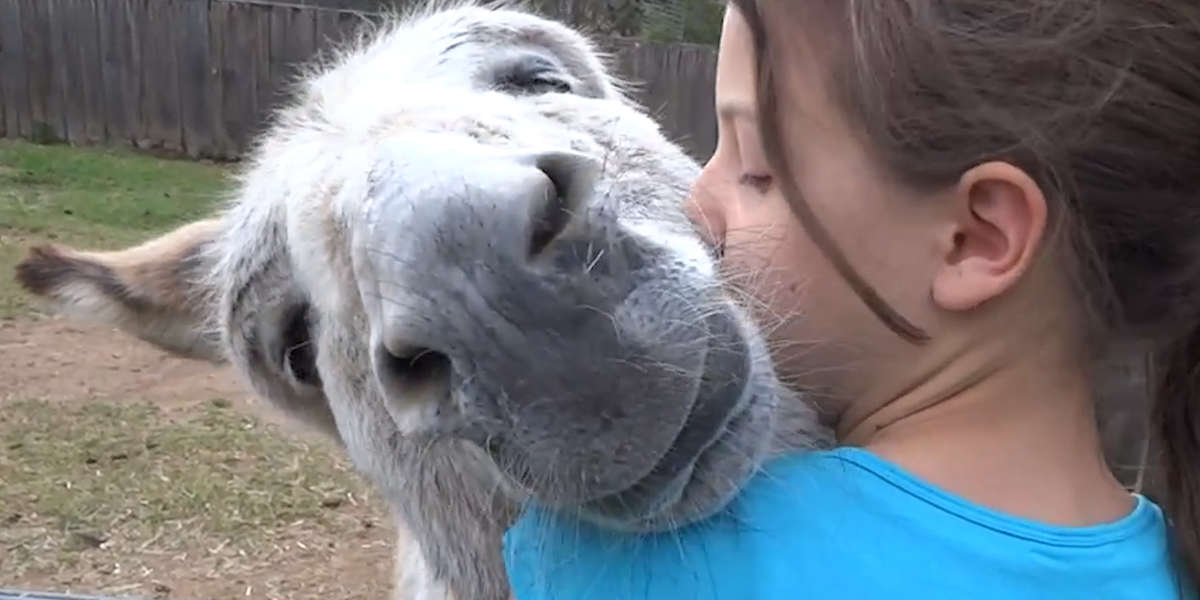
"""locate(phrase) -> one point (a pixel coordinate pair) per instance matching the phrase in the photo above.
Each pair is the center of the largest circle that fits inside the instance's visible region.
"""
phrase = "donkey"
(461, 252)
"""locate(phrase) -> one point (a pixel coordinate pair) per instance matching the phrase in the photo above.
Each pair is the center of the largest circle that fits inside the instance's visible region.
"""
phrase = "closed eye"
(532, 74)
(761, 183)
(548, 83)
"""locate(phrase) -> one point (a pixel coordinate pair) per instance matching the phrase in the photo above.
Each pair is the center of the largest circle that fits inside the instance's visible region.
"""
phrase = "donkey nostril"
(571, 179)
(550, 221)
(412, 370)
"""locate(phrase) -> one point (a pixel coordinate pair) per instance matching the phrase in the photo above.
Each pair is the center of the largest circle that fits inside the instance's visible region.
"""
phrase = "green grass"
(93, 198)
(120, 459)
(121, 495)
(119, 477)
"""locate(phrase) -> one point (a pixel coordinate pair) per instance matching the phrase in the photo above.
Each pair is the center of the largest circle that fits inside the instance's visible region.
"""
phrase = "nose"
(569, 183)
(507, 305)
(438, 250)
(704, 207)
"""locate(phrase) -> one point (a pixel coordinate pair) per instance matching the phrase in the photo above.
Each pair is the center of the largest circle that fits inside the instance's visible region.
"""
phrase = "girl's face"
(823, 334)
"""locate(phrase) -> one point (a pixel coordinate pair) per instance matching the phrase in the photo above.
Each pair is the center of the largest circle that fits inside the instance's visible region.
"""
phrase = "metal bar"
(29, 595)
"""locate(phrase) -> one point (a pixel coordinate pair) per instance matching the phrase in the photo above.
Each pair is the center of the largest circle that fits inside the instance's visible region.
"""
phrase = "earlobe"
(999, 218)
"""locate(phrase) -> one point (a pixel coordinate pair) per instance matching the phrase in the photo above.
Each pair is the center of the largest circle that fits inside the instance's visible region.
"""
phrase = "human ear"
(999, 218)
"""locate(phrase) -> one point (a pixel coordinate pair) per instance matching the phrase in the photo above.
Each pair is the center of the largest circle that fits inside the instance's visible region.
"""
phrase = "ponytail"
(1176, 421)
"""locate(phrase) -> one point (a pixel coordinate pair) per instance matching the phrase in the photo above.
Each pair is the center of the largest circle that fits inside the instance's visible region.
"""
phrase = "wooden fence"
(199, 76)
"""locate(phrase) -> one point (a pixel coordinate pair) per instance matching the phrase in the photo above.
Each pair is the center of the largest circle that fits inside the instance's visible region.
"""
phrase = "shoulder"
(829, 475)
(794, 520)
(842, 524)
(838, 502)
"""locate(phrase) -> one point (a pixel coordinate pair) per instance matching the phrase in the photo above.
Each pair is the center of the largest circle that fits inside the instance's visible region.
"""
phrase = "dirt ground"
(71, 364)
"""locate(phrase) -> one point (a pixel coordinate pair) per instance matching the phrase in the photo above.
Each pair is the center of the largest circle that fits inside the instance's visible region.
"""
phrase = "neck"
(1017, 435)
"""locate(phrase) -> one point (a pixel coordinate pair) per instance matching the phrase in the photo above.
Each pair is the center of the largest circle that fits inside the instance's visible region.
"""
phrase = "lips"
(721, 410)
(665, 498)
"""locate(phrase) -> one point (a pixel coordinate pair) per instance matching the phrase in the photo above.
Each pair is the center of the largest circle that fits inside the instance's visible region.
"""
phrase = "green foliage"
(600, 17)
(48, 188)
(694, 21)
(94, 197)
(703, 25)
(664, 20)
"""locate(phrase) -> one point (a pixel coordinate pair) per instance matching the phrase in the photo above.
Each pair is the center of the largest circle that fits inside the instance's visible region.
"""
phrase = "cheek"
(813, 320)
(772, 262)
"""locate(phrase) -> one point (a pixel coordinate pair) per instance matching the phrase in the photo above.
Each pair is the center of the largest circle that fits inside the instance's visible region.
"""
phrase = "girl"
(968, 202)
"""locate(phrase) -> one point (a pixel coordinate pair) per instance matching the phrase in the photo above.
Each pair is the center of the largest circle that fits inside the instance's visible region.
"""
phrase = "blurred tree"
(696, 21)
(664, 20)
(704, 19)
(605, 17)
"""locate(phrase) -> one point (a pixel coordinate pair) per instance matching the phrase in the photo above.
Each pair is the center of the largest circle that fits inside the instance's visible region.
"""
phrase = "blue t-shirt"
(845, 524)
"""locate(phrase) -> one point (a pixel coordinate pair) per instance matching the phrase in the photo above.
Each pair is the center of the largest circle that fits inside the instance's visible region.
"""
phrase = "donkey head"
(462, 252)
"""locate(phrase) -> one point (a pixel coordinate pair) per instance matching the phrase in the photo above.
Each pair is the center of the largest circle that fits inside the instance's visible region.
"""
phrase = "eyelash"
(761, 183)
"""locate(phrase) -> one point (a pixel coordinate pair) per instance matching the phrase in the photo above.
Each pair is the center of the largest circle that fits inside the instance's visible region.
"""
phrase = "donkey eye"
(532, 74)
(543, 83)
(547, 84)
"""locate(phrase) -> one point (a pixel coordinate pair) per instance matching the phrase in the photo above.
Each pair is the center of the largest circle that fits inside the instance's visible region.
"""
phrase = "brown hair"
(1098, 100)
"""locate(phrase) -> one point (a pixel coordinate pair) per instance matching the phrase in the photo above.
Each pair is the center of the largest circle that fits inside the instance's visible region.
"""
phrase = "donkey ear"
(156, 291)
